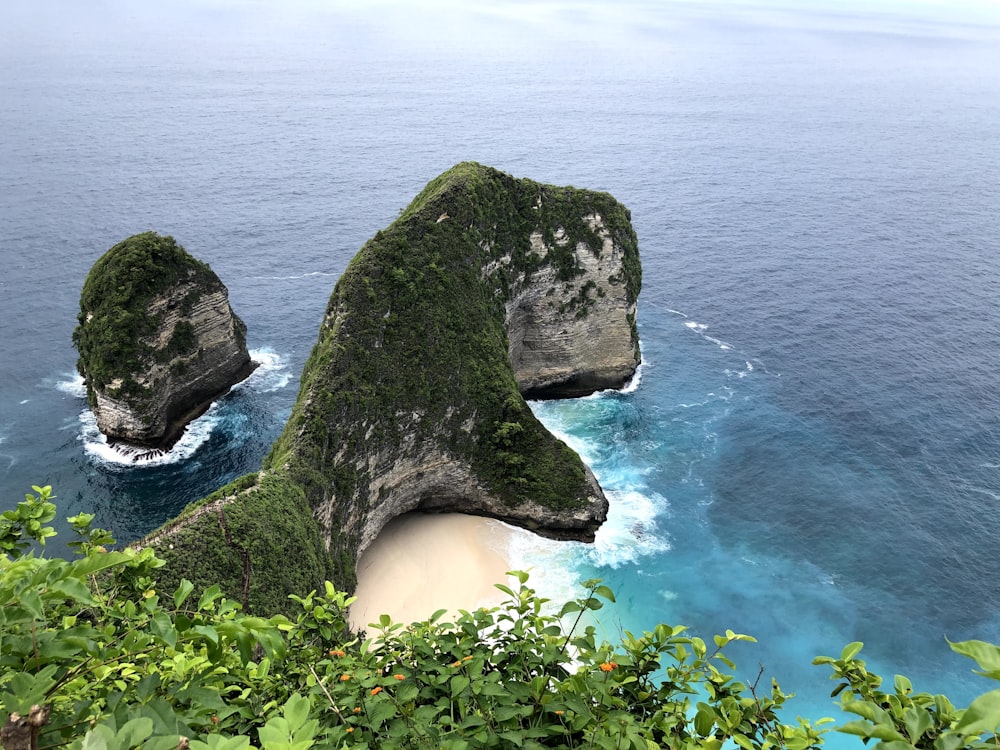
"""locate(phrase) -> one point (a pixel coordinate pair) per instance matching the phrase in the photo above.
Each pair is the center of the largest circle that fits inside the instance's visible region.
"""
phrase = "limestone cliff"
(485, 288)
(158, 341)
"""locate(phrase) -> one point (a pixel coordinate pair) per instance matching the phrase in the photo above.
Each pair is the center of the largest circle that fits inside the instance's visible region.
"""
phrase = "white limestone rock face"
(573, 337)
(182, 386)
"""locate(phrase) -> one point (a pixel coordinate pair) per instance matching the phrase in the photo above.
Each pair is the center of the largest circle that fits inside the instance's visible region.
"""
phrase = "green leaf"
(895, 745)
(165, 721)
(274, 735)
(505, 589)
(98, 561)
(379, 711)
(605, 592)
(209, 596)
(207, 632)
(865, 729)
(32, 603)
(870, 711)
(458, 684)
(74, 588)
(982, 715)
(851, 650)
(233, 743)
(917, 721)
(514, 737)
(950, 741)
(704, 720)
(99, 738)
(296, 711)
(407, 692)
(569, 608)
(986, 655)
(183, 591)
(163, 628)
(135, 732)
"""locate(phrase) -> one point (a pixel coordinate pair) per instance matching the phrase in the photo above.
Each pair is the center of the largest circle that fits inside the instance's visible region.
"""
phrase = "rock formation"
(487, 287)
(559, 349)
(158, 341)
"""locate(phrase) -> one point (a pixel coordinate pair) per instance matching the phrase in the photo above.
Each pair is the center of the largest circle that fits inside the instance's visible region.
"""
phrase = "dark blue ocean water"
(812, 453)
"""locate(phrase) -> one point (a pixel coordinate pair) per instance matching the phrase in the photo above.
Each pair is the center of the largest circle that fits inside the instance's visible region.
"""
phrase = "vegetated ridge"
(485, 287)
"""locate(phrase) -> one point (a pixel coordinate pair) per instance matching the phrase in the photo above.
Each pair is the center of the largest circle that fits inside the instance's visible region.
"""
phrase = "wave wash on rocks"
(485, 288)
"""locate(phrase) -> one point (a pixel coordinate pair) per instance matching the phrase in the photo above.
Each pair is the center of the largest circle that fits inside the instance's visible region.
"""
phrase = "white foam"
(633, 384)
(630, 532)
(700, 329)
(271, 374)
(95, 444)
(73, 385)
(6, 456)
(550, 564)
(740, 373)
(719, 343)
(296, 277)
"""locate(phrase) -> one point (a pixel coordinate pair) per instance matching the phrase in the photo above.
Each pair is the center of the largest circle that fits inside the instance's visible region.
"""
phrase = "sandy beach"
(421, 563)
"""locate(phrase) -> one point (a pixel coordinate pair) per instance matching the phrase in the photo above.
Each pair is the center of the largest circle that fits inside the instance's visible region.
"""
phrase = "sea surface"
(811, 451)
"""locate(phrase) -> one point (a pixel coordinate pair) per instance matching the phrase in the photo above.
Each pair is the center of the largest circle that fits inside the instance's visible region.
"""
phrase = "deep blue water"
(812, 454)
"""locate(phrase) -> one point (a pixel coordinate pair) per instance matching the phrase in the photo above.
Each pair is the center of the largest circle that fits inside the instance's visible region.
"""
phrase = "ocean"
(810, 453)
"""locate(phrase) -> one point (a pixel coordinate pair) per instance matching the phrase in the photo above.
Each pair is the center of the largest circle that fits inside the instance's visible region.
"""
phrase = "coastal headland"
(485, 290)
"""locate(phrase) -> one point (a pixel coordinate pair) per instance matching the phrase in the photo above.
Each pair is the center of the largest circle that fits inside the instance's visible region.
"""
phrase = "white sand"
(421, 563)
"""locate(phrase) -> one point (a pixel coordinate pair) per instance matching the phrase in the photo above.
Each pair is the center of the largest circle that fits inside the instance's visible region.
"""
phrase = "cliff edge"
(158, 341)
(486, 288)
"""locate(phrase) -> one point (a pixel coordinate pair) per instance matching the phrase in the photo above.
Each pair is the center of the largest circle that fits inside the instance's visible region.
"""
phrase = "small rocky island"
(486, 289)
(158, 341)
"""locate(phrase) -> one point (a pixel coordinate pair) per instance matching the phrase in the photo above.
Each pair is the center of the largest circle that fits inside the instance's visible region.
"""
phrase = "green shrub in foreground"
(93, 656)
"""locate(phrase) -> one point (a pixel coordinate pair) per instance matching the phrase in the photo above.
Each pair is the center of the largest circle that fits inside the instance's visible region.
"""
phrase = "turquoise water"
(811, 453)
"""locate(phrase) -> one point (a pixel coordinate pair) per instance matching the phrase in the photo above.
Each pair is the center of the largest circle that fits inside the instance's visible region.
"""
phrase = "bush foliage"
(94, 655)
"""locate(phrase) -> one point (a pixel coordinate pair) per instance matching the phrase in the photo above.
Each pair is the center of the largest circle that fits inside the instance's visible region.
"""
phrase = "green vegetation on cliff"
(97, 654)
(412, 360)
(114, 316)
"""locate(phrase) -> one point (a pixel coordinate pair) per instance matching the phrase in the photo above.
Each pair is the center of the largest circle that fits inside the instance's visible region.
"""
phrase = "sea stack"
(157, 339)
(486, 289)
